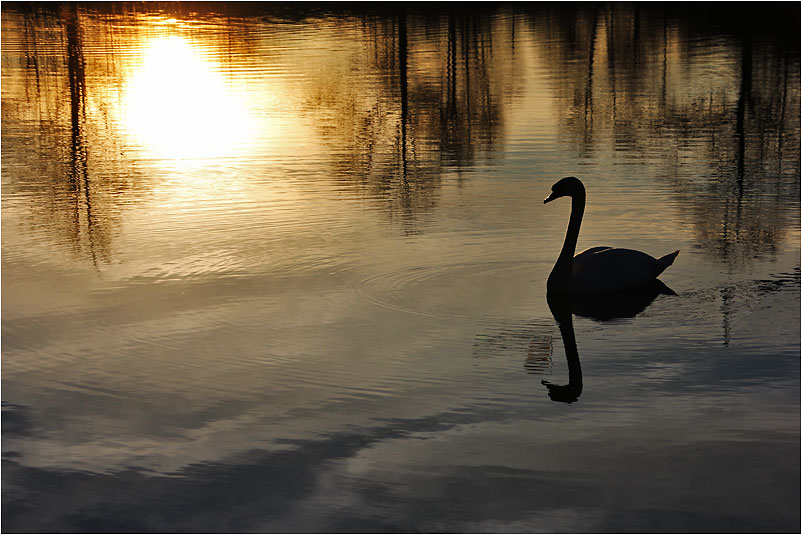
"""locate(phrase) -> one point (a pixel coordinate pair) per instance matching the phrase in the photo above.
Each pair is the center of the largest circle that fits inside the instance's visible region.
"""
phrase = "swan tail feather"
(664, 261)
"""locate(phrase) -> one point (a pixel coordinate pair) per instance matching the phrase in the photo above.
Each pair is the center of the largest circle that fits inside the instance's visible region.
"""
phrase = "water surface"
(274, 268)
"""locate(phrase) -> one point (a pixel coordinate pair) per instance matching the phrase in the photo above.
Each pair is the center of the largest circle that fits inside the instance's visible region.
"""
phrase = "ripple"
(491, 292)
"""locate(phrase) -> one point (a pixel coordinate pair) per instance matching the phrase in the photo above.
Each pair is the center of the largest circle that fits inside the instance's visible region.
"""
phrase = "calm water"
(274, 268)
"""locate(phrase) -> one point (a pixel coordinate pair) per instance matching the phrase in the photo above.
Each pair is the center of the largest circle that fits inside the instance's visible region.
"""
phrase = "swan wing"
(604, 269)
(592, 250)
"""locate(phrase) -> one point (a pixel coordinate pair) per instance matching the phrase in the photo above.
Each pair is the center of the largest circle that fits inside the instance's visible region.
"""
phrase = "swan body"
(598, 269)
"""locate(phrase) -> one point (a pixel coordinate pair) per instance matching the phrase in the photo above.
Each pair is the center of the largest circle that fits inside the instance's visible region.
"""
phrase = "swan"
(598, 269)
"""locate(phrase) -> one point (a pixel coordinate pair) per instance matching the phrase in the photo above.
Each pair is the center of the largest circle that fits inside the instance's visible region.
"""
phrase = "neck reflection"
(601, 307)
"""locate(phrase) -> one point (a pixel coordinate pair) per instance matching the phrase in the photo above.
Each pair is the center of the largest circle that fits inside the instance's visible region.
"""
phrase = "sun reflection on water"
(179, 106)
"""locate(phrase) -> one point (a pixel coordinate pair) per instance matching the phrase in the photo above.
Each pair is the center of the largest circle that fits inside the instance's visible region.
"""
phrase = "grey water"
(281, 268)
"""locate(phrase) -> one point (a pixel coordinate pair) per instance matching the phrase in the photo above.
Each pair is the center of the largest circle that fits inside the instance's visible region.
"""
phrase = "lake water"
(282, 268)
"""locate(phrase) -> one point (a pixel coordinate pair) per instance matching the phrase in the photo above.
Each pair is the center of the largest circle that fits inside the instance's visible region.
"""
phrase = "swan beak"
(551, 197)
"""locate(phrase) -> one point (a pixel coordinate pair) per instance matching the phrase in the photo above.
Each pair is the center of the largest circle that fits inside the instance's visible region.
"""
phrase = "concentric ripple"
(491, 292)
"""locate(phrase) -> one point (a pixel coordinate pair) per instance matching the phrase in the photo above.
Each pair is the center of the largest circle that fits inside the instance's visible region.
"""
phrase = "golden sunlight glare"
(179, 106)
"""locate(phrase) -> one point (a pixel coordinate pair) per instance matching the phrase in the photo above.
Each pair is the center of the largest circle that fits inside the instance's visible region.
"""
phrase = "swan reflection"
(600, 307)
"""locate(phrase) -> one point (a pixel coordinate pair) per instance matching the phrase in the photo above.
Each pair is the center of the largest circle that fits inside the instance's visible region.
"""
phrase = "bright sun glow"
(180, 107)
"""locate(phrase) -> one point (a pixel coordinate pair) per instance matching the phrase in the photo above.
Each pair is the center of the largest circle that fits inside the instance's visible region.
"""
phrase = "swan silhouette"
(598, 269)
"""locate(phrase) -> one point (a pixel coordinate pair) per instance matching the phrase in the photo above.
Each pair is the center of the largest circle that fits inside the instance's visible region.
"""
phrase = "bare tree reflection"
(415, 91)
(704, 98)
(78, 175)
(55, 175)
(433, 100)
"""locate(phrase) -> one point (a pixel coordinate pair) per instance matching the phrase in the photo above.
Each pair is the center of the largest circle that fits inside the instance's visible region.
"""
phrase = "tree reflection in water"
(66, 180)
(438, 103)
(712, 103)
(414, 91)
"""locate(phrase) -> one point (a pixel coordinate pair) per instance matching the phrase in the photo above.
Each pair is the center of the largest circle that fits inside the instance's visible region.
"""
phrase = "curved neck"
(572, 234)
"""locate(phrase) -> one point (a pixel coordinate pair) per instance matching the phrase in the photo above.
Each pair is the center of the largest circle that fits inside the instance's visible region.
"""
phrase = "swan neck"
(572, 234)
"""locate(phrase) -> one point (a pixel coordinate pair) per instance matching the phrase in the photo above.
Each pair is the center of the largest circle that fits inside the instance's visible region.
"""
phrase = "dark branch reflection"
(78, 175)
(438, 103)
(414, 92)
(63, 169)
(710, 98)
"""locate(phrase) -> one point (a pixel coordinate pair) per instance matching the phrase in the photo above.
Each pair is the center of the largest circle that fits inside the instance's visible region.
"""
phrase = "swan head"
(569, 186)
